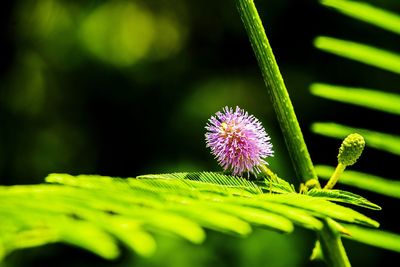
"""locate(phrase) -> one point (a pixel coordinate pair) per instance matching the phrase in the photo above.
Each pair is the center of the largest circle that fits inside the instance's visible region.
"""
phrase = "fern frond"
(376, 238)
(363, 53)
(211, 181)
(297, 215)
(343, 196)
(367, 98)
(175, 198)
(364, 181)
(94, 212)
(381, 141)
(321, 208)
(68, 203)
(33, 226)
(257, 216)
(201, 196)
(201, 201)
(365, 12)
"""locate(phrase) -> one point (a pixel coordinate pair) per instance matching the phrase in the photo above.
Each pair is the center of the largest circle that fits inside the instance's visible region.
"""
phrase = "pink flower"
(238, 141)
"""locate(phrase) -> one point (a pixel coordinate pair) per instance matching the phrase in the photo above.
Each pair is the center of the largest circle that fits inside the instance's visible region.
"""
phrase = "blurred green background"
(123, 88)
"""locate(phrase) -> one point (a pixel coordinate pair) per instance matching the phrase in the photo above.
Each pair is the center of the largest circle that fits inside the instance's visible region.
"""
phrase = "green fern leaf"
(210, 217)
(343, 196)
(68, 203)
(213, 178)
(34, 228)
(167, 195)
(365, 12)
(298, 216)
(367, 98)
(258, 217)
(360, 52)
(181, 196)
(321, 208)
(94, 212)
(198, 194)
(376, 238)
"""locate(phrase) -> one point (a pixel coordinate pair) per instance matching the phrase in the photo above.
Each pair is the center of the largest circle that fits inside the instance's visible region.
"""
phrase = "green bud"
(351, 149)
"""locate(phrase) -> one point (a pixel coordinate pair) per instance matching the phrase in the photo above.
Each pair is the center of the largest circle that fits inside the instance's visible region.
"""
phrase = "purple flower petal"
(238, 141)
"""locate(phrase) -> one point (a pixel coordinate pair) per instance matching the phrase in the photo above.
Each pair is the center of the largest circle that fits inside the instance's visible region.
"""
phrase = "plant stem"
(335, 176)
(267, 171)
(277, 90)
(331, 245)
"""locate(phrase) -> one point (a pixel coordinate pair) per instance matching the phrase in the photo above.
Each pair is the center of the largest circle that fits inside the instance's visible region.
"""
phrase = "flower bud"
(351, 149)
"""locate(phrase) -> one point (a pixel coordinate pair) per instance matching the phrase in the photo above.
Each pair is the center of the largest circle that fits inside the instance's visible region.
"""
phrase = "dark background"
(123, 88)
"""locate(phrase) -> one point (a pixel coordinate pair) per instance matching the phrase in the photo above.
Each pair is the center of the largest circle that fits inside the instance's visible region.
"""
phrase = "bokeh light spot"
(119, 33)
(124, 33)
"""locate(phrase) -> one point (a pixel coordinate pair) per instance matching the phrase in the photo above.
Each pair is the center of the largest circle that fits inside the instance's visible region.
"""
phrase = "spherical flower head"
(238, 141)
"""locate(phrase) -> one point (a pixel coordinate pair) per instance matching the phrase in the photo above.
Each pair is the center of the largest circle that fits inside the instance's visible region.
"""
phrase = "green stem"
(335, 176)
(267, 171)
(331, 245)
(280, 98)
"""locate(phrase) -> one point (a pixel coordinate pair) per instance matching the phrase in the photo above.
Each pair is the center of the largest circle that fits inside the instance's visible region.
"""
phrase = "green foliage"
(365, 12)
(97, 213)
(373, 99)
(321, 208)
(94, 212)
(364, 181)
(367, 98)
(377, 238)
(211, 181)
(366, 54)
(343, 196)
